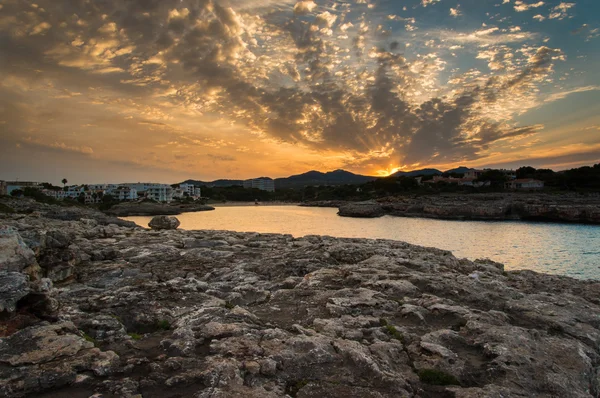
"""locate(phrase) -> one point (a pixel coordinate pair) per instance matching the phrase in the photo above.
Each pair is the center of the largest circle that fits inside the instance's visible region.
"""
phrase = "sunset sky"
(165, 90)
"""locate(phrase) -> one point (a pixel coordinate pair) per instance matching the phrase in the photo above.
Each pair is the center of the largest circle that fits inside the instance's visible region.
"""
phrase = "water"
(563, 249)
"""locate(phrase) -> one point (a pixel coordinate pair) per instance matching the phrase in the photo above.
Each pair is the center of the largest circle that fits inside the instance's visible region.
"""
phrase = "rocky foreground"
(496, 207)
(105, 310)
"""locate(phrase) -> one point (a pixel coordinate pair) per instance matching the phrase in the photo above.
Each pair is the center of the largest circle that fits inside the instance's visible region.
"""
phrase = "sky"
(164, 90)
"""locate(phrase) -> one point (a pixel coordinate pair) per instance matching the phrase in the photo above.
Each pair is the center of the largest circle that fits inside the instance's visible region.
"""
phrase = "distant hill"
(458, 170)
(337, 177)
(416, 173)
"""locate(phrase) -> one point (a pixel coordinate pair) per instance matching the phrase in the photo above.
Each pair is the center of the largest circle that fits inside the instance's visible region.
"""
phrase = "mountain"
(416, 173)
(337, 177)
(458, 170)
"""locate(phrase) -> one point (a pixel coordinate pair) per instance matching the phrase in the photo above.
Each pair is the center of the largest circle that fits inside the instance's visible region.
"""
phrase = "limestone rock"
(216, 313)
(13, 287)
(164, 222)
(361, 209)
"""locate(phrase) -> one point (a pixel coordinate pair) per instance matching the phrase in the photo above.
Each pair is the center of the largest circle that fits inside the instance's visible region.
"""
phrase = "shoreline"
(252, 204)
(477, 207)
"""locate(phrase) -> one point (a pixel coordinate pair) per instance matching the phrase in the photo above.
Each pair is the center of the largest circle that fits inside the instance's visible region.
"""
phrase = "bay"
(562, 249)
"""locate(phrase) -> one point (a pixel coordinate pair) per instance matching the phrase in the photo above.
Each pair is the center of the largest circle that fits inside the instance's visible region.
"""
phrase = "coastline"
(244, 204)
(477, 207)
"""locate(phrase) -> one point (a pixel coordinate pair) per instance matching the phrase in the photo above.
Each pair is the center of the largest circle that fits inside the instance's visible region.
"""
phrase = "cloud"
(322, 80)
(455, 12)
(486, 36)
(57, 146)
(564, 94)
(425, 3)
(521, 6)
(561, 11)
(304, 7)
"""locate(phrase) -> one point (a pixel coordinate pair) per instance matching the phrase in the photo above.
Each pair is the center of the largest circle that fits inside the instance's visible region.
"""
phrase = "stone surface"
(154, 209)
(500, 206)
(159, 223)
(224, 314)
(369, 209)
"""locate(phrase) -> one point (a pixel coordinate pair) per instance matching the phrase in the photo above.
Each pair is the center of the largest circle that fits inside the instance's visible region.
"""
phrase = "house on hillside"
(524, 184)
(190, 190)
(263, 183)
(473, 174)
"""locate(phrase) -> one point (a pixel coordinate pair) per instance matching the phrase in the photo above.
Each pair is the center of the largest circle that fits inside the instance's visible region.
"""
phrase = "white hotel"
(158, 192)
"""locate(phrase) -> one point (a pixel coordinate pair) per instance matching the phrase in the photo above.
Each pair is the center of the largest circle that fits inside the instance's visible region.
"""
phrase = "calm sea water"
(564, 249)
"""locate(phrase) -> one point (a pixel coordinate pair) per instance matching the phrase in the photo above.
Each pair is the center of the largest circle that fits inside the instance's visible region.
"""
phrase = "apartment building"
(262, 183)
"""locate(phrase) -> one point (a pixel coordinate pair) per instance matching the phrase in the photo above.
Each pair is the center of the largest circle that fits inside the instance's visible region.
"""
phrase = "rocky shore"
(497, 207)
(155, 209)
(93, 308)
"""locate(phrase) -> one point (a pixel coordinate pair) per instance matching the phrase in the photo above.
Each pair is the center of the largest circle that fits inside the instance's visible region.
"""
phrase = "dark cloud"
(141, 47)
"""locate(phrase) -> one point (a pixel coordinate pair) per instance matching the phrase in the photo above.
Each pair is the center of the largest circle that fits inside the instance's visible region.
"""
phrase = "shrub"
(89, 338)
(437, 378)
(135, 336)
(391, 330)
(163, 325)
(5, 209)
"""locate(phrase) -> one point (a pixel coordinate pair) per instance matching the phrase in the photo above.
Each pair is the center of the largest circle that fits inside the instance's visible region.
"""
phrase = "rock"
(154, 209)
(13, 287)
(15, 256)
(361, 209)
(164, 222)
(216, 313)
(501, 206)
(44, 357)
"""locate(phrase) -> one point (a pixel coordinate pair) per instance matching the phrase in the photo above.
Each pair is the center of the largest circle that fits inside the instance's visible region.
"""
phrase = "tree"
(16, 193)
(525, 172)
(81, 198)
(64, 181)
(496, 178)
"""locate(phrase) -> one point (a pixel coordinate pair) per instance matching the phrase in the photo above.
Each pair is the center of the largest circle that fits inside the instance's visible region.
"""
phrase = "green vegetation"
(293, 388)
(229, 305)
(35, 194)
(582, 179)
(89, 338)
(437, 378)
(135, 336)
(5, 209)
(163, 325)
(391, 330)
(118, 318)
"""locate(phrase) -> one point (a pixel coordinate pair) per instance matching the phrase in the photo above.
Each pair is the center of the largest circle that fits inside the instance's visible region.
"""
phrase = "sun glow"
(389, 171)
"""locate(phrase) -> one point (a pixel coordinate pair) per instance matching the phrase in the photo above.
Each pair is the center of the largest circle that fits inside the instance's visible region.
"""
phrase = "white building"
(263, 183)
(474, 174)
(123, 193)
(20, 185)
(178, 193)
(158, 192)
(191, 190)
(524, 184)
